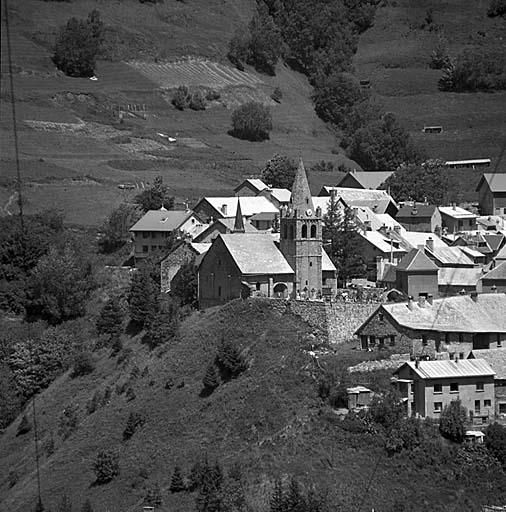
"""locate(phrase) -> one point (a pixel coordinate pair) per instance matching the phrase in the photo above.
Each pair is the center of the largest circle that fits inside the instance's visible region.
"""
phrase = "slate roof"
(201, 248)
(450, 255)
(495, 181)
(368, 179)
(451, 276)
(453, 314)
(255, 182)
(493, 240)
(416, 260)
(457, 212)
(327, 265)
(416, 212)
(376, 205)
(501, 255)
(387, 220)
(282, 195)
(161, 220)
(495, 357)
(249, 205)
(447, 369)
(497, 273)
(255, 254)
(356, 194)
(380, 241)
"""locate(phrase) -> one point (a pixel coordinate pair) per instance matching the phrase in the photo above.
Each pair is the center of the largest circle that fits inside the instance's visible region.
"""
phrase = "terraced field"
(195, 72)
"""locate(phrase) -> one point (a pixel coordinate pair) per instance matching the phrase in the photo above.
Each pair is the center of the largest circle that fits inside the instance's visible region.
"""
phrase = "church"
(291, 263)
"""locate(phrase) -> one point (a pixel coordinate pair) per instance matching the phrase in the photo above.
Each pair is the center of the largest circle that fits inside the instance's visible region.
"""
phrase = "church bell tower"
(301, 237)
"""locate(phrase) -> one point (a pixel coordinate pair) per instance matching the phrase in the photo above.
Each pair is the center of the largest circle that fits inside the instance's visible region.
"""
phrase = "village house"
(491, 223)
(222, 227)
(151, 232)
(419, 217)
(492, 194)
(210, 209)
(455, 219)
(277, 196)
(496, 358)
(429, 386)
(495, 279)
(241, 264)
(452, 325)
(364, 179)
(250, 187)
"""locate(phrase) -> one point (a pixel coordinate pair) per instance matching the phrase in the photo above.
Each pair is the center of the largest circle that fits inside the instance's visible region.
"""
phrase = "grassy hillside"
(269, 419)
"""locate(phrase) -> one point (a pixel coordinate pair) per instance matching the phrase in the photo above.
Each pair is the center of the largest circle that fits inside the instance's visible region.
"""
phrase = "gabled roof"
(453, 314)
(495, 357)
(255, 183)
(494, 240)
(497, 273)
(447, 368)
(419, 211)
(356, 194)
(367, 179)
(449, 255)
(282, 195)
(456, 212)
(255, 254)
(249, 205)
(413, 239)
(451, 276)
(162, 220)
(472, 253)
(263, 216)
(501, 255)
(327, 265)
(416, 260)
(201, 248)
(380, 241)
(496, 181)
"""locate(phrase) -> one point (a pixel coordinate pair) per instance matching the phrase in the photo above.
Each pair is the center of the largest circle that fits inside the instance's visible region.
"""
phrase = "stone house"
(221, 227)
(452, 325)
(419, 217)
(364, 179)
(250, 187)
(278, 196)
(150, 233)
(429, 386)
(492, 194)
(455, 219)
(496, 358)
(417, 275)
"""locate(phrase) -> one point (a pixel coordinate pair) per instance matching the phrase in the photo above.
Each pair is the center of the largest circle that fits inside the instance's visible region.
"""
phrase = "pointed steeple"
(239, 221)
(301, 195)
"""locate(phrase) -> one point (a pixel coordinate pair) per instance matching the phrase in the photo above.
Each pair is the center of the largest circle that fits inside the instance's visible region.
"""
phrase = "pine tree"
(211, 379)
(110, 320)
(143, 297)
(230, 359)
(277, 502)
(65, 504)
(176, 482)
(155, 197)
(87, 507)
(164, 323)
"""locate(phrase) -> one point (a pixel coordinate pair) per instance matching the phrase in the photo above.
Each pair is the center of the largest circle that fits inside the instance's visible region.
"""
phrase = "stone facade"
(171, 264)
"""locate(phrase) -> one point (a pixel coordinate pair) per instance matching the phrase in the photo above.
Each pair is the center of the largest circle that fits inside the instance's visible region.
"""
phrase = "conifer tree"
(164, 322)
(230, 359)
(87, 507)
(176, 482)
(65, 504)
(143, 297)
(110, 321)
(211, 378)
(277, 503)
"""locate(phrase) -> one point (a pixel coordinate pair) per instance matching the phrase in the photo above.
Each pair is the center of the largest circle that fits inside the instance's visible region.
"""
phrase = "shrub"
(153, 495)
(155, 197)
(165, 323)
(277, 95)
(106, 466)
(78, 45)
(279, 172)
(110, 320)
(496, 8)
(68, 421)
(134, 421)
(24, 426)
(116, 227)
(230, 359)
(323, 166)
(212, 95)
(181, 97)
(83, 364)
(13, 478)
(251, 121)
(211, 379)
(439, 58)
(238, 49)
(176, 482)
(49, 446)
(452, 421)
(87, 506)
(65, 504)
(197, 101)
(130, 393)
(495, 441)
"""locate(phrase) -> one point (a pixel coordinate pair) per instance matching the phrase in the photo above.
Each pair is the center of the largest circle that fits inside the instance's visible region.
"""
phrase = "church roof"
(416, 260)
(239, 221)
(256, 254)
(327, 265)
(301, 195)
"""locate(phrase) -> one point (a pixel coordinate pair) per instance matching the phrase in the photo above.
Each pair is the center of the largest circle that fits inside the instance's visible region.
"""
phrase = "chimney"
(368, 226)
(410, 303)
(454, 206)
(417, 362)
(224, 209)
(474, 296)
(421, 300)
(397, 228)
(430, 244)
(333, 193)
(430, 299)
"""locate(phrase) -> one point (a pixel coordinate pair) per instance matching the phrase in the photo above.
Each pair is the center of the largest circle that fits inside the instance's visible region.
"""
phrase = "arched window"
(304, 231)
(313, 231)
(285, 231)
(291, 232)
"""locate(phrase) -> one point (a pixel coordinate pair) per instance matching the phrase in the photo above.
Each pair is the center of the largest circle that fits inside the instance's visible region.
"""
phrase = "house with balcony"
(455, 219)
(427, 387)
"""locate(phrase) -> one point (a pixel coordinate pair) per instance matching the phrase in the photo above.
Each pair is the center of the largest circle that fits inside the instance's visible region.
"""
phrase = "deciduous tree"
(279, 172)
(251, 121)
(452, 421)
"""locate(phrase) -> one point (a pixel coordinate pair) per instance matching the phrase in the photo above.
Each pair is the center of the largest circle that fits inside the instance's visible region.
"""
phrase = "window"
(502, 408)
(372, 340)
(382, 342)
(145, 248)
(313, 231)
(153, 234)
(424, 340)
(498, 341)
(487, 403)
(392, 340)
(304, 231)
(153, 247)
(477, 407)
(310, 263)
(257, 286)
(145, 234)
(461, 338)
(447, 337)
(461, 355)
(454, 387)
(219, 291)
(438, 406)
(438, 388)
(479, 386)
(381, 317)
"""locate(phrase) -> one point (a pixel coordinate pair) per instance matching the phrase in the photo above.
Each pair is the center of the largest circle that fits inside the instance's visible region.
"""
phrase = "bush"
(78, 45)
(211, 379)
(230, 359)
(452, 421)
(176, 482)
(87, 506)
(212, 95)
(277, 95)
(83, 364)
(495, 441)
(13, 478)
(181, 97)
(116, 228)
(439, 58)
(110, 320)
(165, 322)
(153, 495)
(238, 49)
(496, 8)
(135, 420)
(68, 421)
(106, 466)
(251, 121)
(197, 101)
(279, 172)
